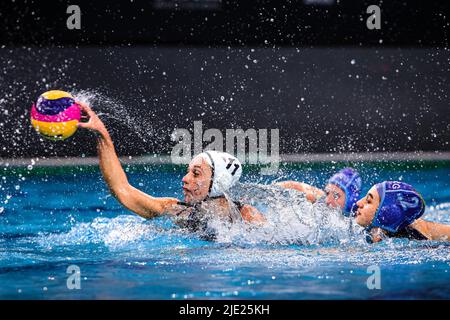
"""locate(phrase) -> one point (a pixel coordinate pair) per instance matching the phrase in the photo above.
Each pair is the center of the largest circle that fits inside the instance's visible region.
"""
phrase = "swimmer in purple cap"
(393, 209)
(342, 190)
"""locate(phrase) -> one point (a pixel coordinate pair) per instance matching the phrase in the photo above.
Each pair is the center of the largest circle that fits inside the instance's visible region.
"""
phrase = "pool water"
(53, 218)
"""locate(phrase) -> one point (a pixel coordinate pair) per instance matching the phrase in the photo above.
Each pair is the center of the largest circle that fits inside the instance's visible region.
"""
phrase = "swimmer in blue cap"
(342, 190)
(393, 209)
(210, 175)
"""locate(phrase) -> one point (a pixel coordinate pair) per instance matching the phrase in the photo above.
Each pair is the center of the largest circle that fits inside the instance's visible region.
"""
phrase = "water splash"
(291, 219)
(110, 107)
(112, 232)
(298, 231)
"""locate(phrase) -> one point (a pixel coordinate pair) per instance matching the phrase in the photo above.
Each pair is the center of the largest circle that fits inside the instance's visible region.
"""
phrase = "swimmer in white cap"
(210, 175)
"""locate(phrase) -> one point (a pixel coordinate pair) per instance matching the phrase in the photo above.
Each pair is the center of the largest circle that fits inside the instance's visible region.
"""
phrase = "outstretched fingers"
(86, 114)
(85, 107)
(83, 125)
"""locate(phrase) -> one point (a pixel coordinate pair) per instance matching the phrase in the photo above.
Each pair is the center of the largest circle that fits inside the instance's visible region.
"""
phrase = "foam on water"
(135, 239)
(439, 213)
(112, 232)
(291, 219)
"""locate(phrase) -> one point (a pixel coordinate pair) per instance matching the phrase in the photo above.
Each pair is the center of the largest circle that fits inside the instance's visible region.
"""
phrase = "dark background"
(225, 22)
(315, 72)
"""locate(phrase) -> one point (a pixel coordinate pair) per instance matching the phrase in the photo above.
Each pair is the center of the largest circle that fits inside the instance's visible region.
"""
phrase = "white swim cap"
(226, 171)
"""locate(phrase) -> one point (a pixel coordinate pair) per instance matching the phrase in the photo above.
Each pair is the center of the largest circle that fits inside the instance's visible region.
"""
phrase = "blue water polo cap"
(350, 182)
(400, 205)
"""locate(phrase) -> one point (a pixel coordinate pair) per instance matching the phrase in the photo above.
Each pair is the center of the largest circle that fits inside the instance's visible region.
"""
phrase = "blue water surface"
(52, 219)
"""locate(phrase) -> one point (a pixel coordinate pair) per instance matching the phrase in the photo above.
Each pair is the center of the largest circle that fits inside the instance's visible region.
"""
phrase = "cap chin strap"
(212, 174)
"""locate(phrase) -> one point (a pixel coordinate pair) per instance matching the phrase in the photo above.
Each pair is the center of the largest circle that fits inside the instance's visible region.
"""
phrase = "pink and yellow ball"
(55, 115)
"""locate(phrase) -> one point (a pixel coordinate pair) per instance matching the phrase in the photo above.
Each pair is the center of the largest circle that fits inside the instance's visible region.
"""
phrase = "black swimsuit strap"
(182, 203)
(187, 205)
(409, 233)
(238, 204)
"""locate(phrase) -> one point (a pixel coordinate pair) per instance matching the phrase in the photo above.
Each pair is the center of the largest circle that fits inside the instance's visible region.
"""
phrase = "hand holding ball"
(55, 115)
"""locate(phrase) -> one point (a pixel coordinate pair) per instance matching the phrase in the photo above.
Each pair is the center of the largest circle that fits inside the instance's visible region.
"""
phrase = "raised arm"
(312, 193)
(432, 230)
(252, 215)
(115, 177)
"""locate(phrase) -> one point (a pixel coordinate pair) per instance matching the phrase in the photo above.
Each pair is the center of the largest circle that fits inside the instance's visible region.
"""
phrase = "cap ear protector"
(211, 164)
(226, 171)
(400, 204)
